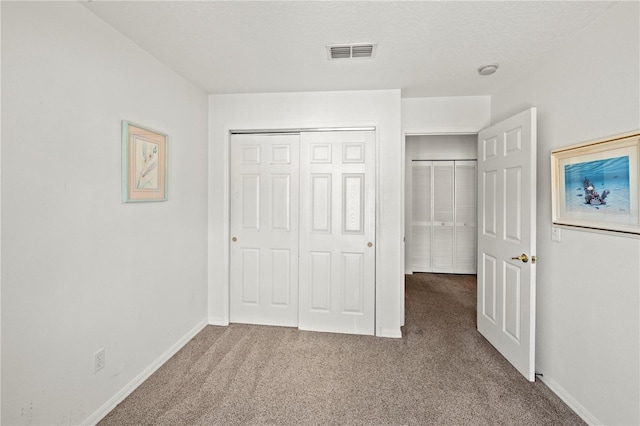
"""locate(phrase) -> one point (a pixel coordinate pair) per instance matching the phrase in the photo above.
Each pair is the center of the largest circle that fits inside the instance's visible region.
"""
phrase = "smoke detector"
(488, 69)
(351, 51)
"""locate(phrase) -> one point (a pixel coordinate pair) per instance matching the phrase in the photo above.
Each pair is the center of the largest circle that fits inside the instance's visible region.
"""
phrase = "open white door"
(507, 238)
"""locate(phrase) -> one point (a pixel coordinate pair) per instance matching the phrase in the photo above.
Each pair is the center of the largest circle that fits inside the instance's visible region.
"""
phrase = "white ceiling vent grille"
(350, 51)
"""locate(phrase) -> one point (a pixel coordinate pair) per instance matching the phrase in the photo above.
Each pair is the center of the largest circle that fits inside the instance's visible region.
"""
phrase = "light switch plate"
(556, 234)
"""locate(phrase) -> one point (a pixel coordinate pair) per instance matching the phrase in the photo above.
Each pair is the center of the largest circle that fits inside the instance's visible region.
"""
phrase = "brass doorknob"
(234, 239)
(369, 244)
(523, 257)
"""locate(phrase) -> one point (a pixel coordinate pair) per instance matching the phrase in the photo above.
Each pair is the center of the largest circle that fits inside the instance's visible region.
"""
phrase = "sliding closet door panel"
(465, 209)
(421, 206)
(443, 216)
(264, 229)
(421, 248)
(466, 192)
(443, 248)
(465, 250)
(443, 194)
(337, 232)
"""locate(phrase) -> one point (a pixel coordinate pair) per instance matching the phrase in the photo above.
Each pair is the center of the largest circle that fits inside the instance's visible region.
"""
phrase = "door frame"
(229, 131)
(421, 131)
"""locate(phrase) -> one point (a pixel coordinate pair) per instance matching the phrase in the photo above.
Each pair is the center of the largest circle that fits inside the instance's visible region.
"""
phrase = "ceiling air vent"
(349, 51)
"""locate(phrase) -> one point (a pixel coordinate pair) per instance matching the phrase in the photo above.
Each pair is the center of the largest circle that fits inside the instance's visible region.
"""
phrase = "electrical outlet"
(98, 360)
(556, 234)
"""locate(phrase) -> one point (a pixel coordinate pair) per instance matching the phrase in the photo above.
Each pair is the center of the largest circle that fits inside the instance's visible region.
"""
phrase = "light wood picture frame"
(144, 164)
(595, 185)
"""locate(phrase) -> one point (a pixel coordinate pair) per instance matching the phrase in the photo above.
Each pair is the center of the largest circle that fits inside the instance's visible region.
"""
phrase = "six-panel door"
(264, 229)
(506, 231)
(337, 232)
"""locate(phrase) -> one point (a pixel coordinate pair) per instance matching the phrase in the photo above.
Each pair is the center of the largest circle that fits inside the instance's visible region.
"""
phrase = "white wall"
(442, 147)
(80, 270)
(445, 115)
(0, 224)
(588, 284)
(312, 110)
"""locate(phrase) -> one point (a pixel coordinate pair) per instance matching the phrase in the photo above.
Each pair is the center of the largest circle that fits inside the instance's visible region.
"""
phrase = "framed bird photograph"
(595, 185)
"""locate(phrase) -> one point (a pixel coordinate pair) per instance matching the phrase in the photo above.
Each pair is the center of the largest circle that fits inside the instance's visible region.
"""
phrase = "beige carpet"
(442, 372)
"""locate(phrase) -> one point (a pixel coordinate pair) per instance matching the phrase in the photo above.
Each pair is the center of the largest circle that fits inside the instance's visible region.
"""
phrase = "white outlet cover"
(556, 234)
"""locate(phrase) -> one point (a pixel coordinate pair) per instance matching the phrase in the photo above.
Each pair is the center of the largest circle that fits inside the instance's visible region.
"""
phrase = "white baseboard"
(390, 332)
(218, 321)
(144, 375)
(579, 409)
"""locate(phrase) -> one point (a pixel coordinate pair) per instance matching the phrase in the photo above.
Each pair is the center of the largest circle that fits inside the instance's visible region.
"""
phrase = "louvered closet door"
(264, 229)
(421, 222)
(443, 216)
(443, 223)
(337, 232)
(465, 217)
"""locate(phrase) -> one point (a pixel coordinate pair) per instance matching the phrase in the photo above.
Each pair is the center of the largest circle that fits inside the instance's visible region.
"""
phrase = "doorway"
(506, 163)
(440, 210)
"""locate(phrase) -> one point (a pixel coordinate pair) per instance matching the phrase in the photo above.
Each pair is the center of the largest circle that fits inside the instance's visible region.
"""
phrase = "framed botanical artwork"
(144, 164)
(595, 185)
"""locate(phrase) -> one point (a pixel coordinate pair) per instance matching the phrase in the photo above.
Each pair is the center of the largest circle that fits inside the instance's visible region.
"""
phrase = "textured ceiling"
(425, 48)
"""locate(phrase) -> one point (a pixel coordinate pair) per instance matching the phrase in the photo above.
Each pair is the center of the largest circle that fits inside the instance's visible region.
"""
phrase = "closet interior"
(441, 197)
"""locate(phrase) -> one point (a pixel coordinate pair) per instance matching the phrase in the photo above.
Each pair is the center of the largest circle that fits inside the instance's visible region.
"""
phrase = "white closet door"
(337, 232)
(443, 216)
(421, 213)
(264, 229)
(465, 210)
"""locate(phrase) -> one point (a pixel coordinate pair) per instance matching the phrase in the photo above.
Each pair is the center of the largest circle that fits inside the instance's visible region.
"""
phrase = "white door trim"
(303, 130)
(420, 131)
